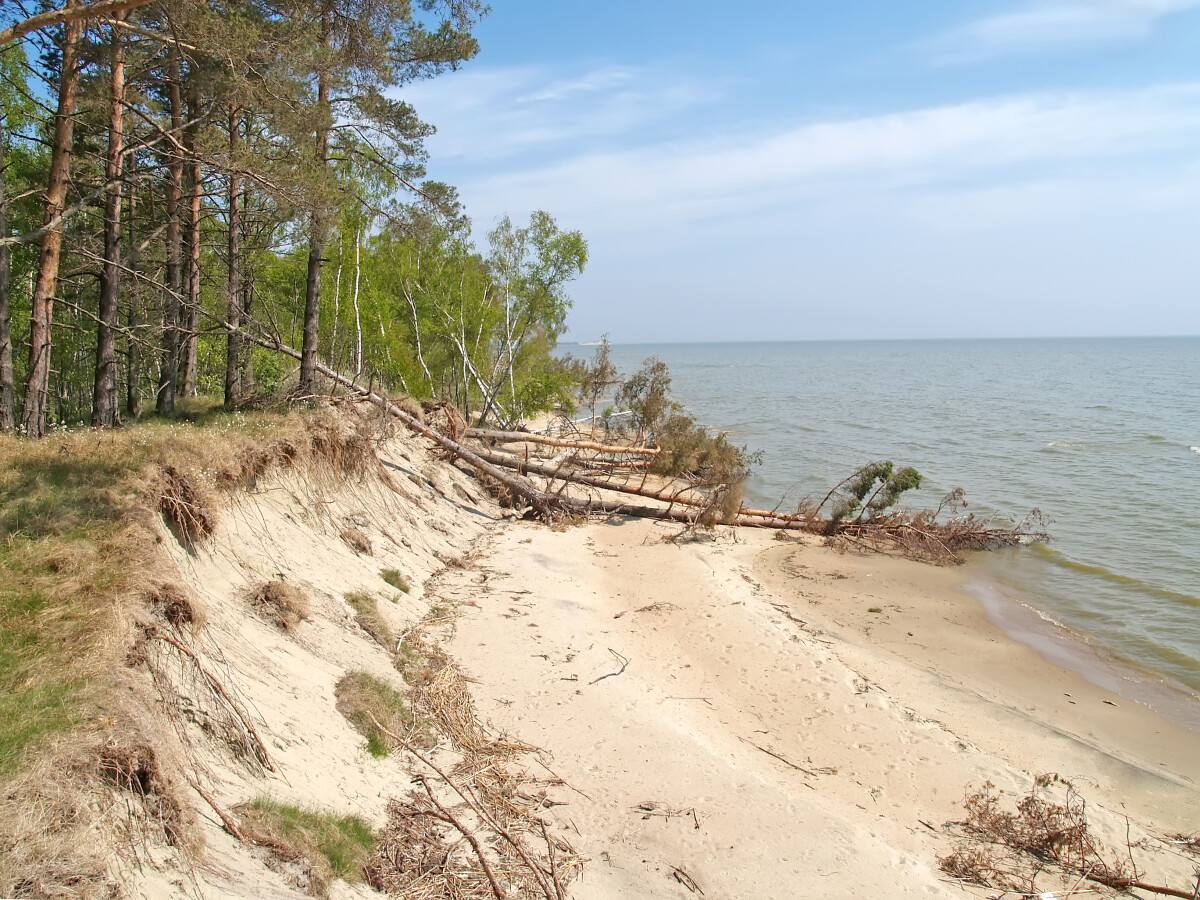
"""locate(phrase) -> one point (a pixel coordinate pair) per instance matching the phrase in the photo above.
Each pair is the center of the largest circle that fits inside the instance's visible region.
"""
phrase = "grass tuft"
(366, 614)
(324, 844)
(396, 580)
(282, 603)
(361, 696)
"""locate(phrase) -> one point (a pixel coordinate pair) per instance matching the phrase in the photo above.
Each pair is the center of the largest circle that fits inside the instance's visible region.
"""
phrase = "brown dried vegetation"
(1041, 842)
(281, 603)
(87, 606)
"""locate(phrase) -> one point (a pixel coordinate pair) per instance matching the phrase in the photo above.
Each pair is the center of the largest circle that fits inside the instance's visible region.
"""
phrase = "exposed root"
(196, 694)
(176, 606)
(135, 769)
(184, 508)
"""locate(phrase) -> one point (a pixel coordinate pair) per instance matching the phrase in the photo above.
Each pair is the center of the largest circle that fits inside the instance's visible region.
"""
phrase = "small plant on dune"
(396, 580)
(364, 700)
(366, 614)
(326, 845)
(357, 541)
(282, 603)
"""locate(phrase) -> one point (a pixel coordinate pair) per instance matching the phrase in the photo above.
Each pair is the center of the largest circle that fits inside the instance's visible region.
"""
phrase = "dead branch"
(471, 839)
(227, 821)
(256, 744)
(622, 660)
(1041, 831)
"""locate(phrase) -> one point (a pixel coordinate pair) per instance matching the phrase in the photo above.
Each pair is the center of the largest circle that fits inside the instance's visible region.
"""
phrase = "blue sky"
(796, 171)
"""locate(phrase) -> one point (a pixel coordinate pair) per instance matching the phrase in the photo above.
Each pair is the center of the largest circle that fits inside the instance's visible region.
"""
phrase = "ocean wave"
(1061, 560)
(1194, 449)
(1064, 445)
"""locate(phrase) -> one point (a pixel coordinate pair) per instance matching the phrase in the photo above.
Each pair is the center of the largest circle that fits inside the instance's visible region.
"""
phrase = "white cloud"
(973, 144)
(1054, 23)
(496, 113)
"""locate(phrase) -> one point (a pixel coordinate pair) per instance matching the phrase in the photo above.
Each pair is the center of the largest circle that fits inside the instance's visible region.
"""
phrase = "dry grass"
(357, 540)
(309, 846)
(81, 515)
(366, 614)
(368, 702)
(281, 603)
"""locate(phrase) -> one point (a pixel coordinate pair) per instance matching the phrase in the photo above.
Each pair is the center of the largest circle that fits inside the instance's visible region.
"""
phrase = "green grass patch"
(366, 614)
(334, 846)
(361, 696)
(396, 580)
(66, 554)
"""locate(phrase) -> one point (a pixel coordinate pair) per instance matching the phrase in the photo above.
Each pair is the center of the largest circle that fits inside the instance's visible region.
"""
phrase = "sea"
(1101, 435)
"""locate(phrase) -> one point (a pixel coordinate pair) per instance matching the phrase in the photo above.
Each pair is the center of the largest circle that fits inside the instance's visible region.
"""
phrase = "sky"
(865, 170)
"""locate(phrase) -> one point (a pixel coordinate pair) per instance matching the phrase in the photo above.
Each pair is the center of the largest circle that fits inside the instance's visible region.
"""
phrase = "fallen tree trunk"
(917, 536)
(509, 461)
(523, 437)
(544, 504)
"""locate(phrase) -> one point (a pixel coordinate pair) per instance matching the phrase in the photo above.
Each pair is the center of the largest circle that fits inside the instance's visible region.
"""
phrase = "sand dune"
(730, 716)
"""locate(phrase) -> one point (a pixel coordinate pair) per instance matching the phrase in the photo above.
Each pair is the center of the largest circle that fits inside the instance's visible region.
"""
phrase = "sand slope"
(739, 716)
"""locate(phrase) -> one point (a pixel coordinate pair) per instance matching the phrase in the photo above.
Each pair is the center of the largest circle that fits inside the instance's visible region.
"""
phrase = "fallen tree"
(870, 491)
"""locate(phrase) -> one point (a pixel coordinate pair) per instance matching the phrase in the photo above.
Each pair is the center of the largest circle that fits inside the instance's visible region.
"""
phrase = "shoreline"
(707, 701)
(1066, 648)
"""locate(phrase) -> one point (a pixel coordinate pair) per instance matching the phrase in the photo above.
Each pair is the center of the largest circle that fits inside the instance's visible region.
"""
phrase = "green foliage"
(647, 394)
(396, 580)
(872, 489)
(597, 376)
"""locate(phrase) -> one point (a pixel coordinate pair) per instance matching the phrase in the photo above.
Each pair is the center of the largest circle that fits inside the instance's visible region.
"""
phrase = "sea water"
(1101, 435)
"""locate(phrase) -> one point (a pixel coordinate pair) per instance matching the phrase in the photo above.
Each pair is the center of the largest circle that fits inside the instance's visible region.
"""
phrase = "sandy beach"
(790, 721)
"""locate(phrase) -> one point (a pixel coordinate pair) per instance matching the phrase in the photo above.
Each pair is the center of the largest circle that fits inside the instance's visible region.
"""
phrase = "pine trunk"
(169, 369)
(233, 386)
(248, 383)
(133, 373)
(104, 391)
(317, 237)
(191, 313)
(37, 384)
(8, 418)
